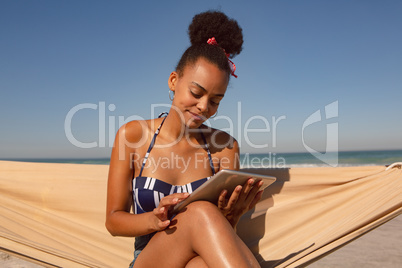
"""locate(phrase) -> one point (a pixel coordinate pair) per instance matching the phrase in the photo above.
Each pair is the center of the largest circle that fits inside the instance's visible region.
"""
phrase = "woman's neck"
(175, 129)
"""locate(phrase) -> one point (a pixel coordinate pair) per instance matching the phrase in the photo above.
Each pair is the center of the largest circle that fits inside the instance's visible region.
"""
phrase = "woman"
(156, 163)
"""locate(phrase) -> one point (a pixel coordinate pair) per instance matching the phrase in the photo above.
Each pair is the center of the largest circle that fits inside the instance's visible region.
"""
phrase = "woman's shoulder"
(137, 130)
(219, 140)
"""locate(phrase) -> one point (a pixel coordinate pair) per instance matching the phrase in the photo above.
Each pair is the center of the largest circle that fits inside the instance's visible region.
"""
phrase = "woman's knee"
(203, 211)
(202, 206)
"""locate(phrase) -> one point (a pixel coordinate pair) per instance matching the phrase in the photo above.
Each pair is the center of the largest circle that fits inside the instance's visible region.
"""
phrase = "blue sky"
(298, 57)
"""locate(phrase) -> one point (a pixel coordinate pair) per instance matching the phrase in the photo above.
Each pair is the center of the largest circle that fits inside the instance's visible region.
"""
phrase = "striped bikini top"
(148, 191)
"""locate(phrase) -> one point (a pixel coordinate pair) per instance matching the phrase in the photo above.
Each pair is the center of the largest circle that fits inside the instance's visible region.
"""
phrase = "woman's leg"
(196, 262)
(200, 231)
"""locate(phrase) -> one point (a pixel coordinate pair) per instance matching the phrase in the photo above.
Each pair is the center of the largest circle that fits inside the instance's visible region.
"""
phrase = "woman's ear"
(173, 77)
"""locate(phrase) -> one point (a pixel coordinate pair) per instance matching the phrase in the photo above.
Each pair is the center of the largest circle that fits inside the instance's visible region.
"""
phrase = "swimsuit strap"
(153, 143)
(211, 164)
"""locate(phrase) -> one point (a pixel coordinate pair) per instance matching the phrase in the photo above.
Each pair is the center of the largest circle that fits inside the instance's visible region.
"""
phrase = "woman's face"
(198, 91)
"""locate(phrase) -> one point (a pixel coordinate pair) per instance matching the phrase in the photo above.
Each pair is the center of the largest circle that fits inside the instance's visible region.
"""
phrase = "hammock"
(54, 214)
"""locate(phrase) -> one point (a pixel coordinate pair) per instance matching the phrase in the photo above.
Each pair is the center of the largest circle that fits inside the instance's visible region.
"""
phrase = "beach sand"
(379, 248)
(9, 261)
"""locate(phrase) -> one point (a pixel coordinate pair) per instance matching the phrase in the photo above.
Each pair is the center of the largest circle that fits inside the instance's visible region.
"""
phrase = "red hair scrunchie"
(212, 41)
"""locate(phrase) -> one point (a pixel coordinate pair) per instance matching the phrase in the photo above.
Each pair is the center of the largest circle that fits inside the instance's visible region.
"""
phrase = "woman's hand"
(160, 214)
(242, 199)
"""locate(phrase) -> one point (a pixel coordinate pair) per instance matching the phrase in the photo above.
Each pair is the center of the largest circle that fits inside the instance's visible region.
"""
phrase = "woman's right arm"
(119, 220)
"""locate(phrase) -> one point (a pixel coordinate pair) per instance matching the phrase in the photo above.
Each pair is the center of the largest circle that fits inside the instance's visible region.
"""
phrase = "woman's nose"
(203, 105)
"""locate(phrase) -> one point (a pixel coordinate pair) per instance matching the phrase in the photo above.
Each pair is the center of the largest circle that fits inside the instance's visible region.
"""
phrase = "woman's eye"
(215, 102)
(196, 95)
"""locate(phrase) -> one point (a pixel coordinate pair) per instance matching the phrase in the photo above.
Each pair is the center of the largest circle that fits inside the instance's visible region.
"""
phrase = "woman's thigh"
(176, 245)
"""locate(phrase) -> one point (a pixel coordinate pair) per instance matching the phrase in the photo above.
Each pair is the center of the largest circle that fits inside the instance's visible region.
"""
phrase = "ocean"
(340, 159)
(277, 160)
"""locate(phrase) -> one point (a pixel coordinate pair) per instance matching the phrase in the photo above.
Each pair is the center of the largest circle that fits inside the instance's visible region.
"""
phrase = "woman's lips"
(197, 117)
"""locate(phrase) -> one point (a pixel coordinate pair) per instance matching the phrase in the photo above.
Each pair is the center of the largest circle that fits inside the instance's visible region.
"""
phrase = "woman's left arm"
(244, 197)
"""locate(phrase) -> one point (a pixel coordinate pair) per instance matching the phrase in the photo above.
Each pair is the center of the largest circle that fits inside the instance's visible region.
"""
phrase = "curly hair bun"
(216, 24)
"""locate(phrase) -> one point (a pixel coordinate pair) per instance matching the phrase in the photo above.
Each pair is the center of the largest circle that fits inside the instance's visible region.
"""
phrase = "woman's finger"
(234, 198)
(161, 221)
(252, 193)
(247, 187)
(163, 224)
(168, 201)
(172, 199)
(256, 199)
(222, 199)
(160, 212)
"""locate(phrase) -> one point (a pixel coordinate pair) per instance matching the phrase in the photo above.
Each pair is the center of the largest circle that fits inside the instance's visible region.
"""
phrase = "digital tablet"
(224, 179)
